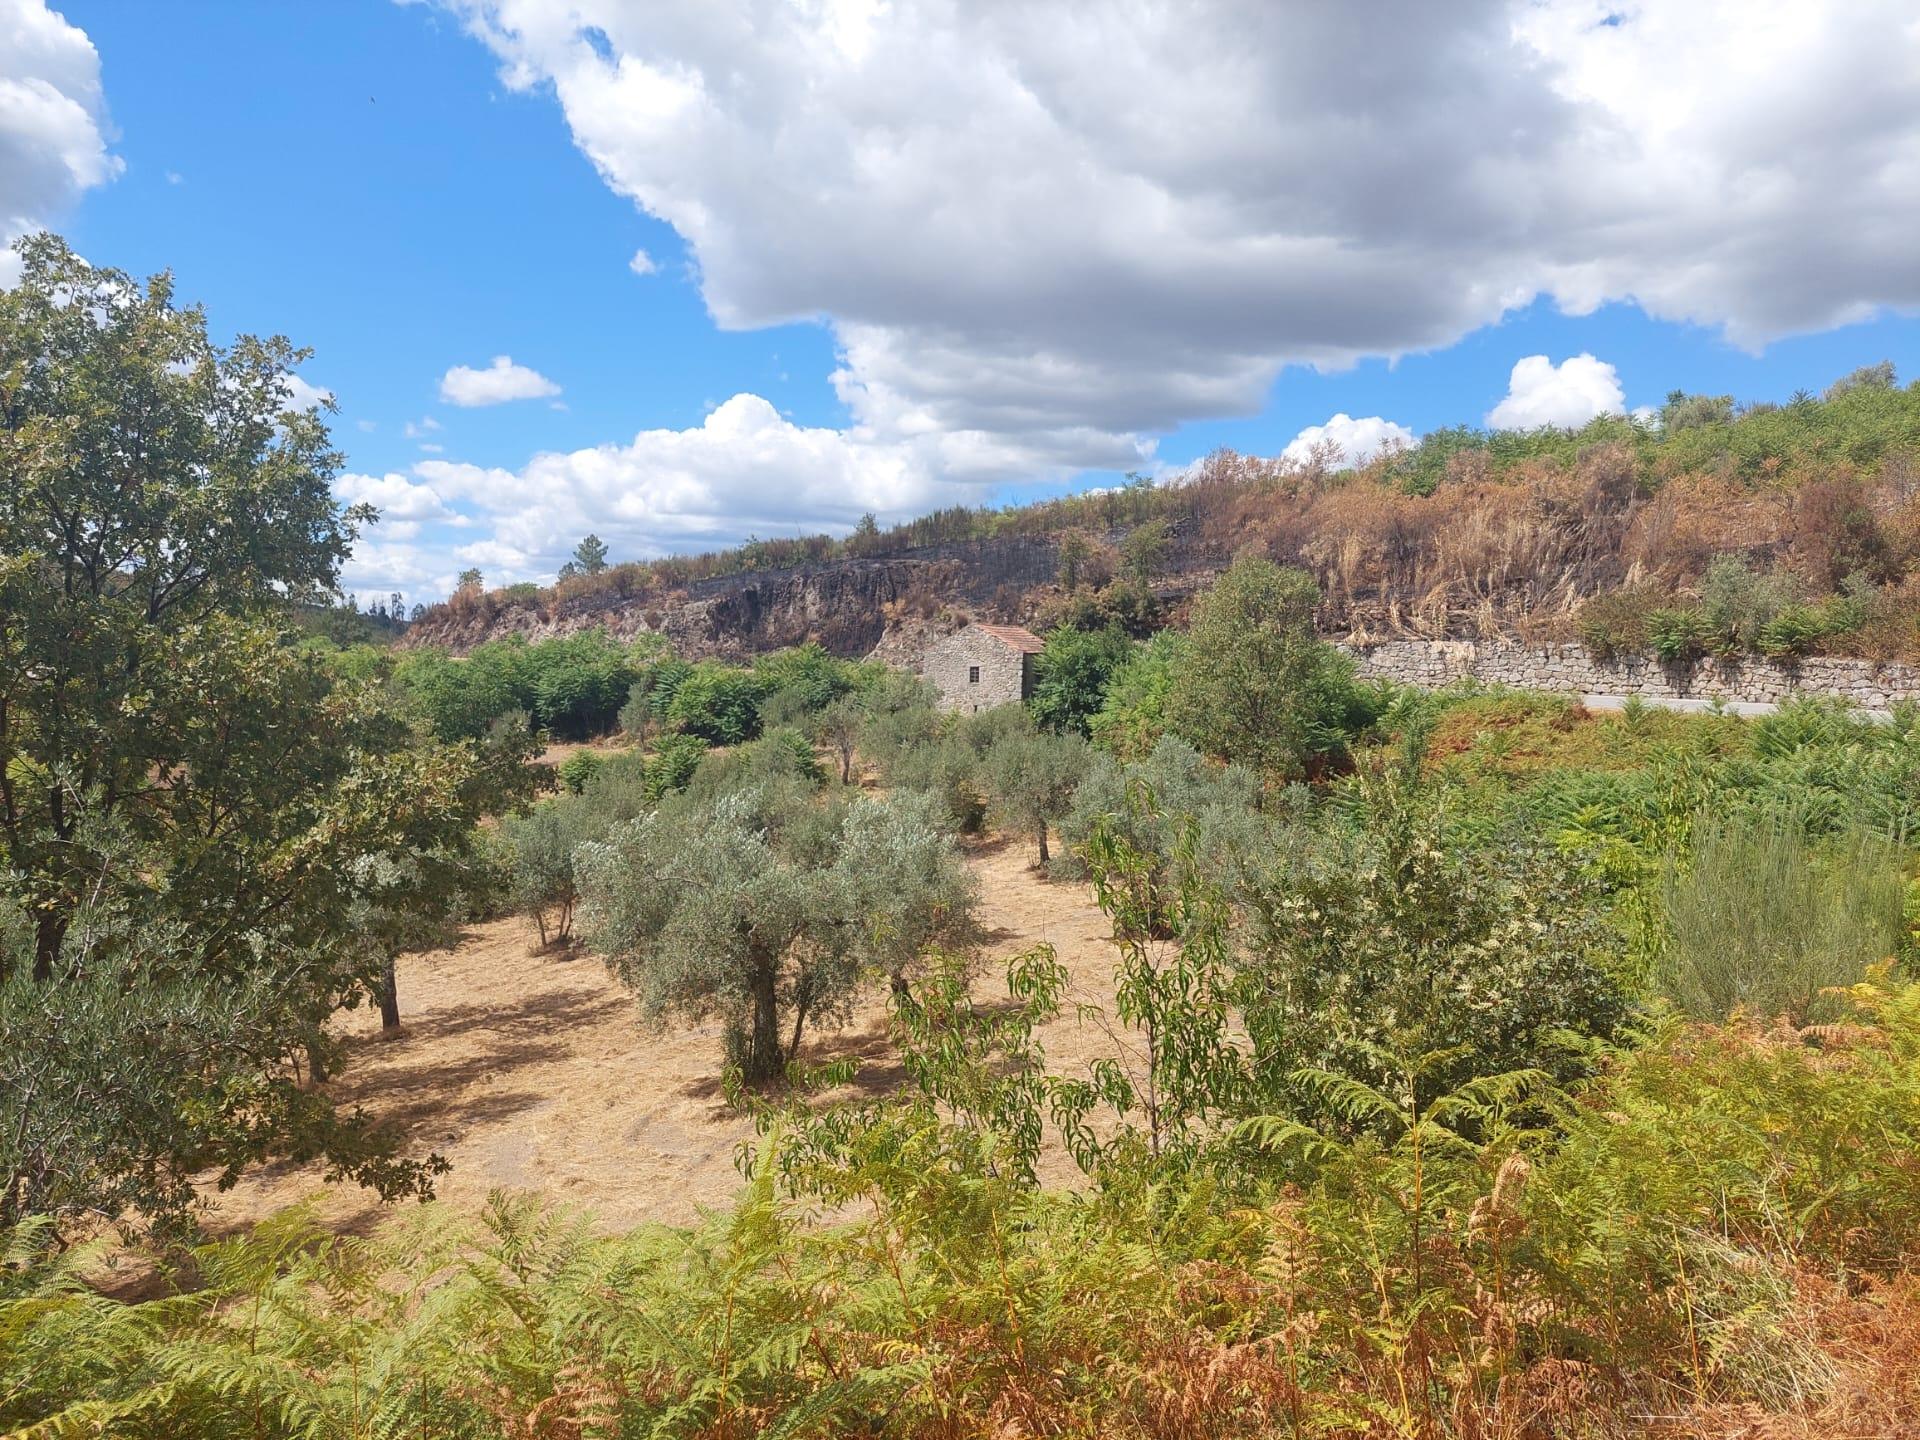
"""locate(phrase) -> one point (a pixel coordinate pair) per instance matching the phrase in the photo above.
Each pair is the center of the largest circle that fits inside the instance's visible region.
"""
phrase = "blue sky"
(950, 269)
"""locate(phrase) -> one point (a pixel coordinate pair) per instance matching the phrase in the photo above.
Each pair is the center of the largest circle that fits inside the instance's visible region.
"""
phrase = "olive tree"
(910, 892)
(765, 908)
(1031, 779)
(838, 728)
(1151, 804)
(541, 845)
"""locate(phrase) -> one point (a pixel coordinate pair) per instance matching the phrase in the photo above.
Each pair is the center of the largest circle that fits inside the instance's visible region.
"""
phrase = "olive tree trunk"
(765, 1058)
(390, 998)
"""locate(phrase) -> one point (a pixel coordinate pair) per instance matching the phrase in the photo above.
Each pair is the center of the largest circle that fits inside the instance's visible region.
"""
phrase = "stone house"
(982, 666)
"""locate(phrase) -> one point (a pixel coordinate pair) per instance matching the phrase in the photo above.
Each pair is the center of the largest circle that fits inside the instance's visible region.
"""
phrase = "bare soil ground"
(534, 1072)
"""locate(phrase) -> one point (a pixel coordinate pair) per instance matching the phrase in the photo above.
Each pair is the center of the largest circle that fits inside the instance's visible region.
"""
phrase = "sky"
(681, 274)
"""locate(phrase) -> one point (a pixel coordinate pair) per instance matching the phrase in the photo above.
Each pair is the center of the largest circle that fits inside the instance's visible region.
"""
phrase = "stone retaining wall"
(1433, 663)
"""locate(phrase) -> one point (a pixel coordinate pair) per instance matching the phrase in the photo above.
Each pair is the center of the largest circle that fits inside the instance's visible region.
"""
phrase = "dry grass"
(533, 1071)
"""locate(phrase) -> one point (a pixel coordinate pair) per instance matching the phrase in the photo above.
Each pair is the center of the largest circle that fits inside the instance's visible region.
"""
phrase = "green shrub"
(663, 679)
(673, 764)
(807, 676)
(577, 769)
(1792, 632)
(1677, 633)
(798, 755)
(1071, 676)
(579, 683)
(1134, 714)
(1391, 955)
(1254, 683)
(1761, 921)
(718, 703)
(637, 713)
(1149, 802)
(1737, 604)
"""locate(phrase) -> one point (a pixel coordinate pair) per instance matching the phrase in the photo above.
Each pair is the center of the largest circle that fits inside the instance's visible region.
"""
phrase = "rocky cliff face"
(848, 607)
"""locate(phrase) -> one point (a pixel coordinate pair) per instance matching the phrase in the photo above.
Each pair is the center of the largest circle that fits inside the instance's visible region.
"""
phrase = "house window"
(973, 674)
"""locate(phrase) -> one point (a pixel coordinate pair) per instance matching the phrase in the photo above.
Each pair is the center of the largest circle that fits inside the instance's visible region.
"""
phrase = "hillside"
(1470, 534)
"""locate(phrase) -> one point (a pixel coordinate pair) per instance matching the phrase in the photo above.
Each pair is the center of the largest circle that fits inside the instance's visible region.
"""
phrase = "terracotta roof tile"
(1025, 641)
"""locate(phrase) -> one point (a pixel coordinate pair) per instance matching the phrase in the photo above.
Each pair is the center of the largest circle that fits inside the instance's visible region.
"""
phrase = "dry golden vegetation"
(1469, 533)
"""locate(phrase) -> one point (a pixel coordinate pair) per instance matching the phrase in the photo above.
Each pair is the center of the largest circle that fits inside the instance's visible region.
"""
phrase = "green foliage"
(1254, 684)
(974, 1104)
(718, 703)
(1677, 633)
(461, 698)
(1144, 551)
(657, 677)
(1719, 1224)
(1761, 921)
(1879, 376)
(1152, 802)
(578, 683)
(673, 764)
(1737, 604)
(1071, 675)
(1173, 989)
(1075, 550)
(783, 758)
(947, 768)
(541, 845)
(210, 836)
(1030, 781)
(572, 685)
(1693, 412)
(809, 675)
(1384, 947)
(909, 896)
(944, 756)
(738, 907)
(799, 758)
(1134, 714)
(590, 555)
(838, 727)
(577, 769)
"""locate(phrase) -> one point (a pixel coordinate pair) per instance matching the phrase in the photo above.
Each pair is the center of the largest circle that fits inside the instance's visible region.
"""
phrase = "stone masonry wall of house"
(1569, 668)
(948, 663)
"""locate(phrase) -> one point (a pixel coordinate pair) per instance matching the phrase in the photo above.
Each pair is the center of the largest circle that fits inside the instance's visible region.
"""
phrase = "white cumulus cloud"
(303, 396)
(1015, 253)
(53, 121)
(643, 264)
(1569, 394)
(1347, 442)
(745, 469)
(498, 383)
(394, 496)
